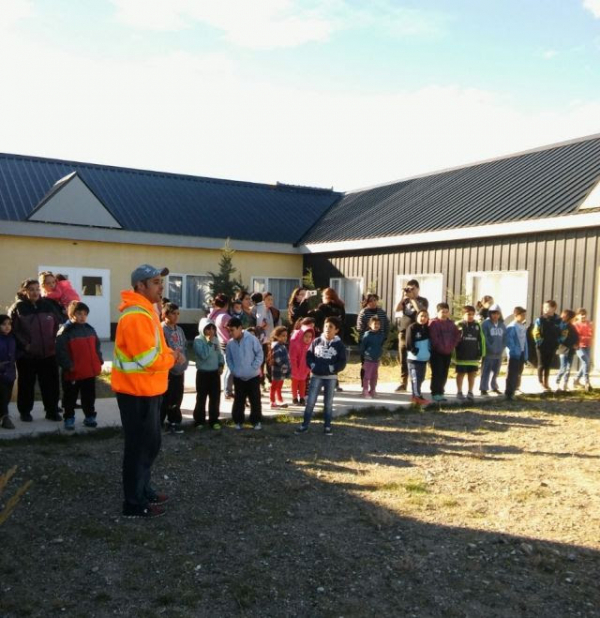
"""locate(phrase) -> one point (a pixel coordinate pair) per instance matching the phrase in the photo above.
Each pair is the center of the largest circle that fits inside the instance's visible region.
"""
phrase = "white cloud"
(548, 54)
(14, 11)
(269, 24)
(593, 6)
(194, 114)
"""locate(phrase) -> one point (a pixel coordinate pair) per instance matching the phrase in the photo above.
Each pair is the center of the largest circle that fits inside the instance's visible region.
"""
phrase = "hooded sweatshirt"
(444, 336)
(244, 356)
(279, 359)
(371, 345)
(78, 351)
(418, 342)
(495, 338)
(63, 293)
(471, 346)
(326, 357)
(298, 350)
(208, 353)
(220, 319)
(35, 326)
(175, 338)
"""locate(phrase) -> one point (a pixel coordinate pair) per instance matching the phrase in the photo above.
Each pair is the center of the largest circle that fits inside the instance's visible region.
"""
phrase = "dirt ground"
(491, 511)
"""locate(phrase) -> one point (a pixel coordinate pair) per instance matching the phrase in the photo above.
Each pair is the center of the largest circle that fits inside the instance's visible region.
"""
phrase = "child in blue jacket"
(517, 350)
(326, 357)
(418, 353)
(8, 374)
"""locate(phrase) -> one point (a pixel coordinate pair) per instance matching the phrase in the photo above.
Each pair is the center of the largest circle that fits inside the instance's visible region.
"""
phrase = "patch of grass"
(416, 487)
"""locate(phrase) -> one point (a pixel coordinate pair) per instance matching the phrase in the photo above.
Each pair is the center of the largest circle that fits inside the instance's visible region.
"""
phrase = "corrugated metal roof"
(147, 201)
(546, 182)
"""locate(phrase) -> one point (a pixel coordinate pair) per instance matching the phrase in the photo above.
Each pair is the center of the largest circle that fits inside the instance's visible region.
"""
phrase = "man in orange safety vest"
(139, 377)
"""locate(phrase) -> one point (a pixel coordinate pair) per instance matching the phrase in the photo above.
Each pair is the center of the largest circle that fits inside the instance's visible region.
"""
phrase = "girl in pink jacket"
(299, 344)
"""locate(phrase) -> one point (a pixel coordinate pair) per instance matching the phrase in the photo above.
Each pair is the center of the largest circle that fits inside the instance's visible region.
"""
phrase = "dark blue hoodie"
(326, 357)
(8, 346)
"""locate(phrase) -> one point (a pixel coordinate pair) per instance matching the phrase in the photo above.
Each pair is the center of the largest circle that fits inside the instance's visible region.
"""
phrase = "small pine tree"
(224, 282)
(457, 302)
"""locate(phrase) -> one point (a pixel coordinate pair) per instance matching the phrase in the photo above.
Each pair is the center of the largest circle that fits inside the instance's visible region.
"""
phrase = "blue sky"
(346, 93)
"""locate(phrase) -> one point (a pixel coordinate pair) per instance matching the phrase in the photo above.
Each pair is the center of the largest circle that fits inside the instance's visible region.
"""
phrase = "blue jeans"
(416, 369)
(565, 366)
(316, 382)
(583, 354)
(490, 367)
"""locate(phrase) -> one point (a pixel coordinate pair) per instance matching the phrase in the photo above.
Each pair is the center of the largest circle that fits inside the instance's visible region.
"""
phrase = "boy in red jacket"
(79, 355)
(444, 337)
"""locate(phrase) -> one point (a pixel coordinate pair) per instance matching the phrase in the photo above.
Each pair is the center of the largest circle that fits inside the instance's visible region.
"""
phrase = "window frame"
(505, 310)
(184, 300)
(297, 280)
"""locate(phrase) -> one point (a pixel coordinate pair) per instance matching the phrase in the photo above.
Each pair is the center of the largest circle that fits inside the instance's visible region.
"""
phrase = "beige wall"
(20, 257)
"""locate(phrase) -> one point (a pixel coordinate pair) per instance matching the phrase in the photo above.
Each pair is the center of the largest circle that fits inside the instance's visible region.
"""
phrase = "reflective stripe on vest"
(140, 362)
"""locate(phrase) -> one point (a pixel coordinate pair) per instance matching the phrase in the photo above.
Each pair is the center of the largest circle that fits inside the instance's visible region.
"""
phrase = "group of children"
(481, 343)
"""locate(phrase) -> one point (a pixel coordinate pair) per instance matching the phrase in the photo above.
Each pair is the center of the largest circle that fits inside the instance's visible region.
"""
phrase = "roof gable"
(71, 201)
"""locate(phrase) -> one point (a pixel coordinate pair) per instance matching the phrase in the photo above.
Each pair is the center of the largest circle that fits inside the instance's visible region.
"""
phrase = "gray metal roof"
(147, 201)
(546, 182)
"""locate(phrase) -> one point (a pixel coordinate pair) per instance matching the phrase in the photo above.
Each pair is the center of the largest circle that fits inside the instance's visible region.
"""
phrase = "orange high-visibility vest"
(141, 359)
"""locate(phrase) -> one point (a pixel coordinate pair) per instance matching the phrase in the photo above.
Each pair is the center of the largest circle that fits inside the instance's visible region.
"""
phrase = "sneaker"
(588, 387)
(53, 416)
(484, 393)
(216, 426)
(339, 389)
(401, 388)
(228, 396)
(420, 401)
(200, 426)
(26, 418)
(282, 405)
(328, 431)
(301, 429)
(460, 396)
(497, 391)
(176, 428)
(295, 401)
(6, 423)
(258, 427)
(470, 396)
(158, 498)
(90, 421)
(439, 399)
(275, 406)
(149, 512)
(70, 423)
(302, 401)
(238, 426)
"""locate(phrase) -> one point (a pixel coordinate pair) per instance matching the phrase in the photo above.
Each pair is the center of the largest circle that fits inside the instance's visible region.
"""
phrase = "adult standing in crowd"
(140, 371)
(247, 318)
(331, 307)
(298, 306)
(409, 306)
(220, 317)
(35, 324)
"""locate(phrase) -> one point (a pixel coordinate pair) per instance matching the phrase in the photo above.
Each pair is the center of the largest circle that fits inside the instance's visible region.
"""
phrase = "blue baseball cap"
(145, 271)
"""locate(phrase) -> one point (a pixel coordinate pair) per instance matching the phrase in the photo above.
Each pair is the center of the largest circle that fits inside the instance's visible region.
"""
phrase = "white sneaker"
(238, 426)
(257, 427)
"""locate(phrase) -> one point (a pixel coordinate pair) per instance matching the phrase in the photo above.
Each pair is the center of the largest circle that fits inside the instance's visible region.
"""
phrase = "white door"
(93, 285)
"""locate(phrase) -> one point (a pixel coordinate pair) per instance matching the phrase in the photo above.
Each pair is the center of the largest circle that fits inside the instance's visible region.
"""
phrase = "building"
(96, 223)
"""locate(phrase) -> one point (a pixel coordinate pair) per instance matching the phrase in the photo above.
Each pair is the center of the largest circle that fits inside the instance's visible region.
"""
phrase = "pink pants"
(298, 388)
(371, 369)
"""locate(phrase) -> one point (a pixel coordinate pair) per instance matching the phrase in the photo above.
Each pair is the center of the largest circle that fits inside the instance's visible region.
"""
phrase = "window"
(431, 287)
(350, 291)
(280, 288)
(91, 286)
(188, 291)
(508, 288)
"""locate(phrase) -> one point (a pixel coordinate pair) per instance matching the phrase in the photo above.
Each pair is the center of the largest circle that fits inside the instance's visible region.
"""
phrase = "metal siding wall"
(562, 265)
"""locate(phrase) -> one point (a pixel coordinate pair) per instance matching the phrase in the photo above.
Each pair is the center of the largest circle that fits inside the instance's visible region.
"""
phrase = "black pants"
(515, 369)
(440, 365)
(140, 417)
(5, 395)
(545, 358)
(170, 408)
(403, 354)
(71, 391)
(246, 389)
(208, 385)
(45, 370)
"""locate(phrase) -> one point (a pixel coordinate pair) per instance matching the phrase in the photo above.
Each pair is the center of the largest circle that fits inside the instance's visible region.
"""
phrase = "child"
(566, 349)
(371, 350)
(418, 352)
(279, 361)
(517, 350)
(444, 337)
(80, 357)
(220, 317)
(61, 291)
(170, 408)
(494, 332)
(546, 334)
(299, 344)
(209, 367)
(469, 352)
(585, 330)
(326, 357)
(244, 356)
(483, 308)
(8, 372)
